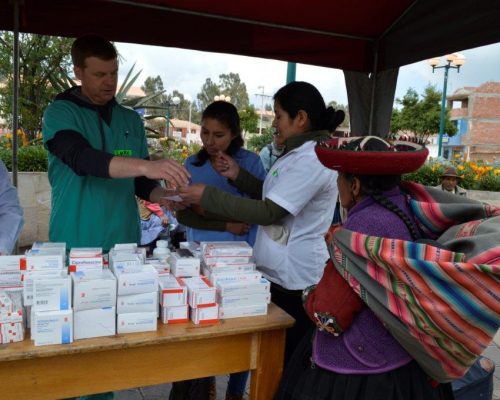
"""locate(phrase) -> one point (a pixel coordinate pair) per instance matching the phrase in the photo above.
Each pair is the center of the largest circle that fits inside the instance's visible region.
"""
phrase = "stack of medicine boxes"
(137, 301)
(241, 290)
(11, 306)
(185, 268)
(94, 294)
(47, 289)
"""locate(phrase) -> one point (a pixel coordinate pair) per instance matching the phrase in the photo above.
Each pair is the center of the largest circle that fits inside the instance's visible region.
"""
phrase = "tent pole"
(291, 72)
(374, 88)
(15, 97)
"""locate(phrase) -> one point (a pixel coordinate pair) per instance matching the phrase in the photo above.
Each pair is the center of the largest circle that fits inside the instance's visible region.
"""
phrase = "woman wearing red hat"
(388, 323)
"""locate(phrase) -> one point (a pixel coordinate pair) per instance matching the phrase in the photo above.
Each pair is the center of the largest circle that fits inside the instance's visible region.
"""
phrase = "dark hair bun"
(332, 118)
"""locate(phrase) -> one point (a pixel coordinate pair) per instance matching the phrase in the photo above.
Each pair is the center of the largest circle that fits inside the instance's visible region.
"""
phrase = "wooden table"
(172, 353)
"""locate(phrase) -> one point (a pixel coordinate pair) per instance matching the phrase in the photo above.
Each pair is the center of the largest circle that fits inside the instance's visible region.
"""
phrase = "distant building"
(476, 112)
(185, 130)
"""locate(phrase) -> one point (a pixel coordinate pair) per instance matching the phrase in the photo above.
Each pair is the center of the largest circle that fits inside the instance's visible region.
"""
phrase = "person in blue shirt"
(11, 213)
(270, 153)
(220, 134)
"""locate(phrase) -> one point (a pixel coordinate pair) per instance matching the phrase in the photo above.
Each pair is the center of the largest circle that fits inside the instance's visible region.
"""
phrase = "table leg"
(269, 365)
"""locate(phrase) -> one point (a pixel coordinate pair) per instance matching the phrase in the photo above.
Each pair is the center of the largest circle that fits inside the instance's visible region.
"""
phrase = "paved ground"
(161, 391)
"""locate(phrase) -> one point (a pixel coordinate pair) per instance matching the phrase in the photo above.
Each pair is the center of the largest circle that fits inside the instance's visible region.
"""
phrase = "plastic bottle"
(161, 251)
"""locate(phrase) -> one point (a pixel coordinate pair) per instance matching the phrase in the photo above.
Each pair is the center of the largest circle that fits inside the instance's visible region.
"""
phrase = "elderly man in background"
(449, 182)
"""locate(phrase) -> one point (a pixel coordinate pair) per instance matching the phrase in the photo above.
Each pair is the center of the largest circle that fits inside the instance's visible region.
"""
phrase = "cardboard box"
(193, 247)
(10, 278)
(243, 311)
(201, 292)
(205, 315)
(125, 262)
(52, 327)
(228, 288)
(136, 322)
(49, 245)
(94, 323)
(175, 314)
(44, 259)
(52, 293)
(29, 277)
(211, 261)
(226, 248)
(243, 300)
(93, 290)
(254, 276)
(172, 292)
(229, 268)
(11, 332)
(162, 268)
(142, 302)
(143, 281)
(85, 258)
(10, 263)
(184, 266)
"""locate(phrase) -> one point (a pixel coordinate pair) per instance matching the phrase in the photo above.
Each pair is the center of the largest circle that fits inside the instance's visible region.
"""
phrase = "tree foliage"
(44, 66)
(229, 85)
(420, 117)
(257, 142)
(248, 119)
(207, 93)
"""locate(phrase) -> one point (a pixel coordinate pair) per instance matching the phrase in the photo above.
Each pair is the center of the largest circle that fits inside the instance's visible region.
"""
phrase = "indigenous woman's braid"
(379, 198)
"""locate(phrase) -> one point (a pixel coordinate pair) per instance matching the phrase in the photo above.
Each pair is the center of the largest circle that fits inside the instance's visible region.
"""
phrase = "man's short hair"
(91, 46)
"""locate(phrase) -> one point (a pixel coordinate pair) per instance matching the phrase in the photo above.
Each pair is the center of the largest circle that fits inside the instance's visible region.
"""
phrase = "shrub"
(475, 175)
(29, 158)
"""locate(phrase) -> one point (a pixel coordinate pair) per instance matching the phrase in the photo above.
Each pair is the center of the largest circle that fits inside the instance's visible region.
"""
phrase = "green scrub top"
(88, 211)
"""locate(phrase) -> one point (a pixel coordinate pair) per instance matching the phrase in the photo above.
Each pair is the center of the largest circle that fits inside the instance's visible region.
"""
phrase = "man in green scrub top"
(98, 157)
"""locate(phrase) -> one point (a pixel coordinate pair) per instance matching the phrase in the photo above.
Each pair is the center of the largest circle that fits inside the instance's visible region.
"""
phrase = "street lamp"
(261, 108)
(455, 61)
(175, 101)
(221, 97)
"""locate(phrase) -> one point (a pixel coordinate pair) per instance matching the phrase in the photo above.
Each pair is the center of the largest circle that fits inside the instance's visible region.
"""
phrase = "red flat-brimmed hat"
(349, 155)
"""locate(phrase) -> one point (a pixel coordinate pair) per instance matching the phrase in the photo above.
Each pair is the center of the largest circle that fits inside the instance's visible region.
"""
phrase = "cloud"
(187, 70)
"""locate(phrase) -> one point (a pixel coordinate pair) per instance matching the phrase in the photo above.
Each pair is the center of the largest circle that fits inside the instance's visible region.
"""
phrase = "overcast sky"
(187, 70)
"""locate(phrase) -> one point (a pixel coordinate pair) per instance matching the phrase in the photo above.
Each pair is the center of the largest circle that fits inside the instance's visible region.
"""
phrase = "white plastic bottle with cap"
(161, 251)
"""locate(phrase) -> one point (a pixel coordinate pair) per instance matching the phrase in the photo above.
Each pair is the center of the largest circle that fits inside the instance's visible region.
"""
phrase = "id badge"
(123, 152)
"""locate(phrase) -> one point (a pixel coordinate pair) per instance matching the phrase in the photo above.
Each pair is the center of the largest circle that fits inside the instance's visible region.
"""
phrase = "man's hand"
(192, 194)
(237, 228)
(226, 166)
(169, 170)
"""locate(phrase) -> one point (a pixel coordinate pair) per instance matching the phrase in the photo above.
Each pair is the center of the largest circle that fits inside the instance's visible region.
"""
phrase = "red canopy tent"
(367, 39)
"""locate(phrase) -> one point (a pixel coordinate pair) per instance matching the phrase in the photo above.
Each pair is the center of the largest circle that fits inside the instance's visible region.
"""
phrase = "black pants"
(291, 302)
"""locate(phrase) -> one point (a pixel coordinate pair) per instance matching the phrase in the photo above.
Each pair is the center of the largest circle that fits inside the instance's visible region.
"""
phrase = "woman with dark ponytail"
(295, 204)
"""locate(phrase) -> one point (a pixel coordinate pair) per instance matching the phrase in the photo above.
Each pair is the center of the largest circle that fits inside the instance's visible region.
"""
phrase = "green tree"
(248, 119)
(44, 68)
(229, 85)
(154, 86)
(420, 117)
(207, 93)
(257, 142)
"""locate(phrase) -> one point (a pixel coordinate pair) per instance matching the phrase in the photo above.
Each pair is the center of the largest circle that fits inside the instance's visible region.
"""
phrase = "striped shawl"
(441, 301)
